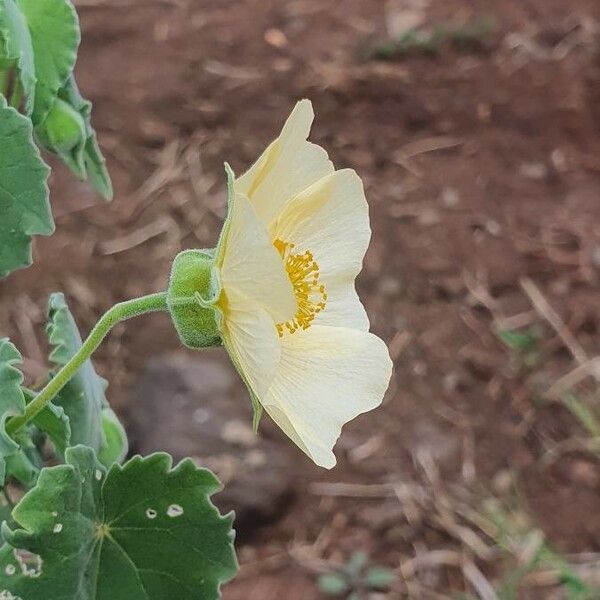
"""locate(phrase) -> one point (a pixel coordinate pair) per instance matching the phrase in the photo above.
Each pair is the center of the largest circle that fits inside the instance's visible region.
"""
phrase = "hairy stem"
(119, 312)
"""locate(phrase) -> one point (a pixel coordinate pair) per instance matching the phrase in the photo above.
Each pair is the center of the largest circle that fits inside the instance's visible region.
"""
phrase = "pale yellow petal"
(250, 337)
(343, 307)
(249, 267)
(326, 377)
(331, 219)
(289, 165)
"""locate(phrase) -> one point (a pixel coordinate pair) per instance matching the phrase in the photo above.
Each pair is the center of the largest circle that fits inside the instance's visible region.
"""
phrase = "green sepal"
(257, 411)
(141, 531)
(92, 165)
(191, 297)
(63, 132)
(257, 408)
(117, 444)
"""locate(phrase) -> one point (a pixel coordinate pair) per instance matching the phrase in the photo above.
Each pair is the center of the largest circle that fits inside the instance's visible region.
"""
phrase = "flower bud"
(63, 132)
(191, 297)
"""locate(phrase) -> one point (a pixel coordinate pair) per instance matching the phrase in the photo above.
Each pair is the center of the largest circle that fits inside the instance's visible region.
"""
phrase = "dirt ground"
(481, 162)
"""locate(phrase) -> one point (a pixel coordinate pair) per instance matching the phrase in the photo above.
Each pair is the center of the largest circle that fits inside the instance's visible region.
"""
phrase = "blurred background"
(474, 124)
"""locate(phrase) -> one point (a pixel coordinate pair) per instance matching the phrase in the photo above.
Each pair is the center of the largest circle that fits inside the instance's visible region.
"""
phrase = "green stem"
(119, 312)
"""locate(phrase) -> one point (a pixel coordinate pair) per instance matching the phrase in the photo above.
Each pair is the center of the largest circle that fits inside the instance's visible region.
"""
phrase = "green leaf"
(18, 47)
(20, 457)
(83, 397)
(12, 400)
(140, 532)
(379, 578)
(117, 444)
(54, 422)
(94, 163)
(26, 463)
(63, 132)
(333, 584)
(24, 202)
(515, 340)
(67, 131)
(54, 30)
(357, 563)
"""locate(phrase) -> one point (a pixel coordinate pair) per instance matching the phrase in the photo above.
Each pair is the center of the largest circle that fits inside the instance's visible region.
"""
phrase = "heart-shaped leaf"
(142, 531)
(24, 207)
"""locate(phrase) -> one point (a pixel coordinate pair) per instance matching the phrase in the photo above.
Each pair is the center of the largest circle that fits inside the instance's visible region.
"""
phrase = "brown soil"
(481, 166)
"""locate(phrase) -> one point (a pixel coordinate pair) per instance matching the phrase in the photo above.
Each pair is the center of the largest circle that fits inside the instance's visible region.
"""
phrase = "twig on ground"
(163, 224)
(478, 580)
(542, 306)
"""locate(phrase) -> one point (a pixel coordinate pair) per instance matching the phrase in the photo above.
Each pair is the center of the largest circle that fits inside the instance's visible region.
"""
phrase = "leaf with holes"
(24, 202)
(83, 397)
(55, 36)
(142, 531)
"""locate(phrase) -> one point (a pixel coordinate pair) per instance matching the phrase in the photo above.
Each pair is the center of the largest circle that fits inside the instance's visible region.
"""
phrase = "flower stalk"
(116, 314)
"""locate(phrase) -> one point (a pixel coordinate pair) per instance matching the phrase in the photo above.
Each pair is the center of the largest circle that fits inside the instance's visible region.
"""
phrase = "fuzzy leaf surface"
(24, 204)
(54, 29)
(82, 398)
(142, 531)
(18, 48)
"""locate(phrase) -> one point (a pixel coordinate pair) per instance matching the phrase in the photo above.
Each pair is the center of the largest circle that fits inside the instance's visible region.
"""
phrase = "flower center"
(303, 271)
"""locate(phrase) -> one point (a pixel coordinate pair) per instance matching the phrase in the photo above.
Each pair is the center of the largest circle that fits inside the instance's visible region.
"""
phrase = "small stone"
(429, 217)
(213, 425)
(503, 481)
(596, 256)
(560, 160)
(585, 473)
(389, 286)
(450, 197)
(536, 171)
(238, 432)
(276, 38)
(493, 227)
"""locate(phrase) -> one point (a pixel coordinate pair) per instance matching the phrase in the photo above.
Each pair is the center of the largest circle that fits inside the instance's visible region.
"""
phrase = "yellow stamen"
(303, 271)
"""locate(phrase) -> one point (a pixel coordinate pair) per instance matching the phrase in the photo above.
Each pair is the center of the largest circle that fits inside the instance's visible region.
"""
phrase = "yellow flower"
(289, 316)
